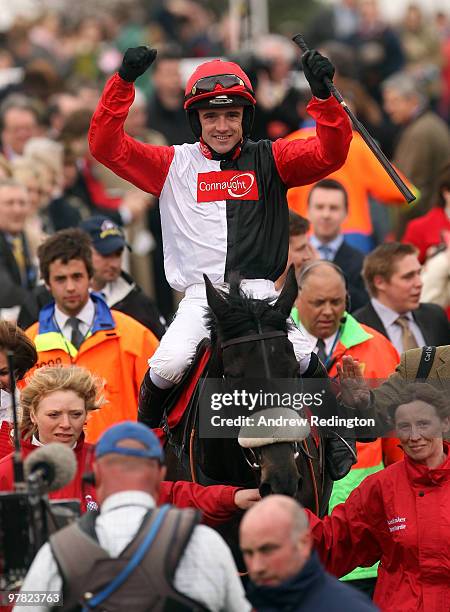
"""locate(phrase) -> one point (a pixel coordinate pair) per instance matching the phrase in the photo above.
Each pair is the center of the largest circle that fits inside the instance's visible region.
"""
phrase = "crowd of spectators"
(373, 272)
(53, 67)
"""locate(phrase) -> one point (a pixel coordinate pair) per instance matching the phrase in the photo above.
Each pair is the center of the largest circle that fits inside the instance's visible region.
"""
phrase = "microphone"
(53, 465)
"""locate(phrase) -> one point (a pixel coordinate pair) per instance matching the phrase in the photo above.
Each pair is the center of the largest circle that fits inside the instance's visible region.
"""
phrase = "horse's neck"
(215, 366)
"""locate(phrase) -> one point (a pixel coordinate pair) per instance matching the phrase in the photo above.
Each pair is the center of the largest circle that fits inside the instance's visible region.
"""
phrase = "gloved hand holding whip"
(315, 68)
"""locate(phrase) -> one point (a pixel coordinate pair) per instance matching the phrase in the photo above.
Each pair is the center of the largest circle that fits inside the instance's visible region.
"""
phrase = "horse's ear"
(215, 301)
(288, 294)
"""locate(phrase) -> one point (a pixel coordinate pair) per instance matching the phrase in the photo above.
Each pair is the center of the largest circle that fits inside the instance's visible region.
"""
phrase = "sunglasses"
(208, 84)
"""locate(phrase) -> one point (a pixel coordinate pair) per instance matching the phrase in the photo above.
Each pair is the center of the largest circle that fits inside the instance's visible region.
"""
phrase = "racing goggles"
(209, 83)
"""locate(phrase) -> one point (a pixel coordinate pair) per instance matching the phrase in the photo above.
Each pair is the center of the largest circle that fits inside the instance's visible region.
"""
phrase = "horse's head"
(252, 336)
(246, 328)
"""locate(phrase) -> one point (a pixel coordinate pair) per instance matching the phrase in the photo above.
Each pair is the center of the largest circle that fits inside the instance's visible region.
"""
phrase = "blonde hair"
(45, 151)
(54, 378)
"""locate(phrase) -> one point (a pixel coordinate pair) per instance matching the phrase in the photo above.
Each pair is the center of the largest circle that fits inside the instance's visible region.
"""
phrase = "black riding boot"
(340, 455)
(151, 402)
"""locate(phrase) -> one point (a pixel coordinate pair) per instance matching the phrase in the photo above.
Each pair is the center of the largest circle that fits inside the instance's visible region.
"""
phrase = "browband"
(253, 338)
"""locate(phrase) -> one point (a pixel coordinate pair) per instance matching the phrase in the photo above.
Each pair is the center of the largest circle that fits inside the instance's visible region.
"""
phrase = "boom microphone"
(54, 464)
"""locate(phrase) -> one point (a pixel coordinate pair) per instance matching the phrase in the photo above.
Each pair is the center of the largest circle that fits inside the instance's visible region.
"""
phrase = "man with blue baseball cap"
(107, 237)
(162, 558)
(130, 439)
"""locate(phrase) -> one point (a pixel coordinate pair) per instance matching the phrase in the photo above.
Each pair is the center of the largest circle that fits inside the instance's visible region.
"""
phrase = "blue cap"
(129, 430)
(107, 237)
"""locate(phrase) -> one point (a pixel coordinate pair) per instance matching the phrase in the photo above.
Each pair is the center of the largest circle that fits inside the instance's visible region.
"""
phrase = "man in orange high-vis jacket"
(78, 328)
(362, 176)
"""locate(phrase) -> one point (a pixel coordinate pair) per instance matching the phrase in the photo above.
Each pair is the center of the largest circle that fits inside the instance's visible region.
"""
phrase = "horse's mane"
(243, 315)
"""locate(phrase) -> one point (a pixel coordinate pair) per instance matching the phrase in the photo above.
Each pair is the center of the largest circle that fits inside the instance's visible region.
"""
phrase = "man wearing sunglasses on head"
(223, 199)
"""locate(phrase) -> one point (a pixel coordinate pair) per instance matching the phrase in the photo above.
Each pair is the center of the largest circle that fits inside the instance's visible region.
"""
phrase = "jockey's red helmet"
(218, 84)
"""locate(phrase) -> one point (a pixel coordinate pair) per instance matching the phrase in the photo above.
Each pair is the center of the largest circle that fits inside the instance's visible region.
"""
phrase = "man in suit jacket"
(327, 209)
(392, 276)
(17, 273)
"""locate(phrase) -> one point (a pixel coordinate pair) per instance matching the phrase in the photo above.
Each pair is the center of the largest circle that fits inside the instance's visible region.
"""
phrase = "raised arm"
(304, 161)
(143, 165)
(308, 160)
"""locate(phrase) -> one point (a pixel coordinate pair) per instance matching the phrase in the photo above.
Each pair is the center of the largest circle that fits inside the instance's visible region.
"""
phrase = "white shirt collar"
(334, 244)
(5, 406)
(313, 340)
(36, 442)
(386, 314)
(128, 498)
(86, 315)
(116, 291)
(6, 409)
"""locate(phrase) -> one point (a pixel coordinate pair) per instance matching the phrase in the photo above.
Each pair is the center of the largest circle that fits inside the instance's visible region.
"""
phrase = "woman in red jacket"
(55, 405)
(428, 232)
(400, 515)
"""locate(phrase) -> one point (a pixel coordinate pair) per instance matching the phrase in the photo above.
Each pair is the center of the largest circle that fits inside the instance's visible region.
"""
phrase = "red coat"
(400, 516)
(216, 502)
(426, 231)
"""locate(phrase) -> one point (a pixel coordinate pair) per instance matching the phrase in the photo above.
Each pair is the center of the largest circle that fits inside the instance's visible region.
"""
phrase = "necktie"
(77, 337)
(408, 339)
(321, 354)
(19, 256)
(326, 252)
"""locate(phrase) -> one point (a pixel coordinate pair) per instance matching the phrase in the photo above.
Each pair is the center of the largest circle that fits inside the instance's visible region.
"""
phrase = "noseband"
(253, 459)
(249, 454)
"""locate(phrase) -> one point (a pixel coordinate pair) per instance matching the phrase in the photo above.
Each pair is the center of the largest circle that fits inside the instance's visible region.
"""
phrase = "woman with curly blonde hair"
(56, 402)
(55, 406)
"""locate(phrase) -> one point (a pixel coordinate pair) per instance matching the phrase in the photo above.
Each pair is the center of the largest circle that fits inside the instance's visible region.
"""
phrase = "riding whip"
(359, 127)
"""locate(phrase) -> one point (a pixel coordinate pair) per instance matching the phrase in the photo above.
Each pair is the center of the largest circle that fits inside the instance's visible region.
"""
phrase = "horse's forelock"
(243, 315)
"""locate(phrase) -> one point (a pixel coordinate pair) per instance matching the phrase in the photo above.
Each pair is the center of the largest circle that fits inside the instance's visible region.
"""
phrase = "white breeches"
(178, 345)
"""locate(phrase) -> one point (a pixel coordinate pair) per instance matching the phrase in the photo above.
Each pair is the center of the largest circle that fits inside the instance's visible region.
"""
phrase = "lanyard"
(335, 341)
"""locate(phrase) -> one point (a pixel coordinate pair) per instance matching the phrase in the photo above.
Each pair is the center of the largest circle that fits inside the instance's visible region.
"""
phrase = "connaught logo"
(225, 185)
(238, 185)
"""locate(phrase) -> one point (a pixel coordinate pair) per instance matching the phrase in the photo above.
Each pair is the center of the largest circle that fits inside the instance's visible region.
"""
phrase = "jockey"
(222, 200)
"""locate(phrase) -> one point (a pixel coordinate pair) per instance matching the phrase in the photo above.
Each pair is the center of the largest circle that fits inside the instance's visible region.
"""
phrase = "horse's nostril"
(265, 489)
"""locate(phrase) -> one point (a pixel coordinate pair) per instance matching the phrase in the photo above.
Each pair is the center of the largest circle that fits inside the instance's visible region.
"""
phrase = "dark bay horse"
(248, 341)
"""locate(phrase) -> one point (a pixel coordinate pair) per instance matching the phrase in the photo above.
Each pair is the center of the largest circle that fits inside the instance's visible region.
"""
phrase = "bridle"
(249, 454)
(259, 337)
(252, 458)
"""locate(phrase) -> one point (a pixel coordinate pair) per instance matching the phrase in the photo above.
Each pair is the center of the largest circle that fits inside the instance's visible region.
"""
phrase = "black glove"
(315, 67)
(135, 62)
(339, 458)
